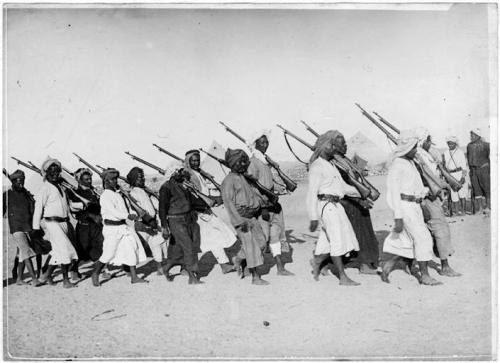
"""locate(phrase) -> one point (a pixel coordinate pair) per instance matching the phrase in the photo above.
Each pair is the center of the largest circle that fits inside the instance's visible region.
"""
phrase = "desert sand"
(225, 316)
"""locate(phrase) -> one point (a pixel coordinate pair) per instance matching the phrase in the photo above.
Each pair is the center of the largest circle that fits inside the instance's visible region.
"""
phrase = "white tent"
(362, 146)
(213, 166)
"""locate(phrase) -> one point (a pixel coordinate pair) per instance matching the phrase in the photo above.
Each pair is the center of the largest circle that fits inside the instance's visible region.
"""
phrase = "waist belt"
(329, 198)
(56, 219)
(479, 167)
(455, 170)
(109, 222)
(410, 198)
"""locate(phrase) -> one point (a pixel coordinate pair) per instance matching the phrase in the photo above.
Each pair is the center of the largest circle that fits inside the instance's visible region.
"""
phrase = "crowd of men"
(193, 216)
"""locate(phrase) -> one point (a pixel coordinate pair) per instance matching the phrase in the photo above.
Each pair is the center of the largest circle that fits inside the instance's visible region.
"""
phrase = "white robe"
(337, 237)
(455, 159)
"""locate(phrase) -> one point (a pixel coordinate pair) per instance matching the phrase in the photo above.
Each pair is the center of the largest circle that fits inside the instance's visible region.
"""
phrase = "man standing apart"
(271, 218)
(121, 244)
(326, 188)
(148, 229)
(18, 203)
(405, 190)
(478, 156)
(243, 205)
(456, 164)
(51, 204)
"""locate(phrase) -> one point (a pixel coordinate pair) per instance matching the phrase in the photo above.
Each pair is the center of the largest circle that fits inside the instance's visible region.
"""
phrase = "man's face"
(86, 180)
(112, 182)
(474, 137)
(340, 145)
(181, 175)
(451, 145)
(262, 144)
(140, 181)
(242, 165)
(329, 150)
(18, 184)
(411, 154)
(53, 173)
(194, 162)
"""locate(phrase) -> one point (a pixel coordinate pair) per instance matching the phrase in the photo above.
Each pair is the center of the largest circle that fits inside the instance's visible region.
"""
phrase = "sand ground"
(224, 317)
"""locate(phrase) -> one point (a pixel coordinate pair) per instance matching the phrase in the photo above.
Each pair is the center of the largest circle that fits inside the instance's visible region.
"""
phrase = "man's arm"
(164, 204)
(4, 203)
(228, 195)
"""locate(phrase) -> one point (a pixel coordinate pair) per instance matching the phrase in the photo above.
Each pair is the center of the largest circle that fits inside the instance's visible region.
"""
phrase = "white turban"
(171, 168)
(257, 135)
(47, 163)
(477, 131)
(452, 138)
(406, 141)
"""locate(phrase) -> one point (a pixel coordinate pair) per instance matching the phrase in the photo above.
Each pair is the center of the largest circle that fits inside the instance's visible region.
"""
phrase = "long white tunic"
(121, 244)
(415, 240)
(455, 159)
(336, 237)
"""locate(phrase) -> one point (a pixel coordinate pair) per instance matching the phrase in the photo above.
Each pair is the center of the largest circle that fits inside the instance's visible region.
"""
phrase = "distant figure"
(456, 164)
(326, 189)
(410, 237)
(271, 219)
(18, 204)
(478, 157)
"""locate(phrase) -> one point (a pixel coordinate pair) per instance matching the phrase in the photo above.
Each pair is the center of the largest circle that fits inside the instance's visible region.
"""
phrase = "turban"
(17, 174)
(321, 143)
(232, 157)
(81, 172)
(188, 157)
(406, 142)
(477, 131)
(453, 139)
(133, 174)
(109, 173)
(257, 135)
(47, 163)
(172, 168)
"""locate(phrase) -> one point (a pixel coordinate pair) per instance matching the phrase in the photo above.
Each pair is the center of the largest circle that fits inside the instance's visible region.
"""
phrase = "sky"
(101, 81)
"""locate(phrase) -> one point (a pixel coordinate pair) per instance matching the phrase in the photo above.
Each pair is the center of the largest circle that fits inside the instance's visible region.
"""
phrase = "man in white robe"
(456, 164)
(121, 244)
(51, 206)
(405, 191)
(326, 188)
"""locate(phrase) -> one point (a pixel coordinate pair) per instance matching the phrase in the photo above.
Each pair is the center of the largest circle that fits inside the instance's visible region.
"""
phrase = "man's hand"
(462, 180)
(133, 217)
(265, 214)
(244, 227)
(313, 225)
(165, 233)
(398, 225)
(218, 201)
(365, 203)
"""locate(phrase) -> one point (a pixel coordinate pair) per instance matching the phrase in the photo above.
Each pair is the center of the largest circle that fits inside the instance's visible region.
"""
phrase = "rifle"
(201, 171)
(27, 166)
(289, 183)
(273, 197)
(143, 214)
(310, 129)
(374, 193)
(430, 179)
(5, 173)
(363, 190)
(147, 163)
(384, 121)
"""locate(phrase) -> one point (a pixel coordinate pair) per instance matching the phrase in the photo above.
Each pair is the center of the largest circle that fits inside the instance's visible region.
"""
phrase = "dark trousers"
(89, 240)
(362, 224)
(186, 236)
(480, 180)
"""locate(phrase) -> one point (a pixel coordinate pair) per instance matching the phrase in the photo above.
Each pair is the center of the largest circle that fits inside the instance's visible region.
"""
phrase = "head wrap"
(477, 131)
(133, 174)
(81, 172)
(17, 174)
(233, 156)
(109, 173)
(188, 157)
(257, 135)
(172, 168)
(321, 142)
(406, 142)
(452, 138)
(422, 134)
(47, 163)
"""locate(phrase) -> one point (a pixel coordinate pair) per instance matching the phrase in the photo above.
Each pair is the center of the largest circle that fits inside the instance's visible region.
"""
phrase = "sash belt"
(56, 219)
(109, 222)
(410, 198)
(329, 198)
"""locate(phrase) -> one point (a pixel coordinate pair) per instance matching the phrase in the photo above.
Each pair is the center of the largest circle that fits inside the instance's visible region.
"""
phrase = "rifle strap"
(289, 147)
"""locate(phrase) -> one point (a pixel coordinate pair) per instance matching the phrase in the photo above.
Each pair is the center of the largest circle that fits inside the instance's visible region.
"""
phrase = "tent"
(364, 150)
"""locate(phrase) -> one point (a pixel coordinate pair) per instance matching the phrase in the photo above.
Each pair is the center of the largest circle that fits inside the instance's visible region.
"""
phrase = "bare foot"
(315, 269)
(427, 280)
(367, 270)
(285, 272)
(21, 282)
(47, 280)
(36, 283)
(227, 268)
(259, 281)
(346, 281)
(68, 284)
(138, 280)
(106, 275)
(95, 280)
(448, 271)
(75, 276)
(386, 270)
(159, 272)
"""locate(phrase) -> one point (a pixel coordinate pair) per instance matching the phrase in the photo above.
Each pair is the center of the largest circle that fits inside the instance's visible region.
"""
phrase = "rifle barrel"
(310, 129)
(305, 143)
(387, 123)
(376, 123)
(27, 166)
(234, 133)
(147, 163)
(168, 153)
